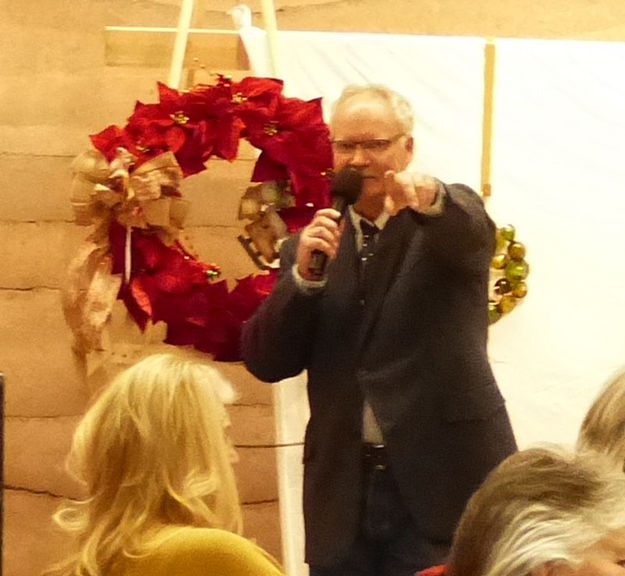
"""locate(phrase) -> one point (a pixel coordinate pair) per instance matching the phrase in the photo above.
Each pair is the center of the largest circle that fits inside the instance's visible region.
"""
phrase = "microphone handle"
(319, 259)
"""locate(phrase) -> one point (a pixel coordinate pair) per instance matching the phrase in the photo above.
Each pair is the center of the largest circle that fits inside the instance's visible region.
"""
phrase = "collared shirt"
(379, 222)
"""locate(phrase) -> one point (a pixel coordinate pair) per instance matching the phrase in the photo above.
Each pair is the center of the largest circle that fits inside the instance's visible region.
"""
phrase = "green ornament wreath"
(509, 271)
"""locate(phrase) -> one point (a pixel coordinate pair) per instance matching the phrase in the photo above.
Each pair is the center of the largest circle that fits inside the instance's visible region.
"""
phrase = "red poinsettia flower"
(137, 302)
(276, 131)
(158, 272)
(222, 335)
(113, 137)
(257, 99)
(307, 159)
(296, 217)
(267, 169)
(217, 333)
(215, 105)
(249, 293)
(156, 130)
(191, 307)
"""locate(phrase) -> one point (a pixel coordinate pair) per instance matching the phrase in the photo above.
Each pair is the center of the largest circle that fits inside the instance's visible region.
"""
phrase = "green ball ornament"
(516, 270)
(507, 232)
(494, 313)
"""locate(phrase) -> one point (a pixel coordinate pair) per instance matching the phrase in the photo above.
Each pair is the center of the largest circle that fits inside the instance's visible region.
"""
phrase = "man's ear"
(410, 144)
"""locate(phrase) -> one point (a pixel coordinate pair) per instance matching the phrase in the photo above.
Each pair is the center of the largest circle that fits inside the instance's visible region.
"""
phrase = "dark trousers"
(388, 543)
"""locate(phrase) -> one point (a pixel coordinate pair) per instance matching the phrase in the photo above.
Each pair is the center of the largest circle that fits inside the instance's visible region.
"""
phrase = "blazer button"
(361, 301)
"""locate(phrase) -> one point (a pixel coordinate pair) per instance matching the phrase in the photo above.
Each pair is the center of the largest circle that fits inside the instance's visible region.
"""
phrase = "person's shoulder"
(225, 552)
(194, 551)
(458, 191)
(189, 536)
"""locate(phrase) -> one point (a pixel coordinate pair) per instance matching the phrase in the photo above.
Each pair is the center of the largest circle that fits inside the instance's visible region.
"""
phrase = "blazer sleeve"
(275, 341)
(462, 235)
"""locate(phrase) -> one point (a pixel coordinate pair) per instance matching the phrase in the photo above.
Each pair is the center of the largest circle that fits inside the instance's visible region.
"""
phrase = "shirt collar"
(380, 221)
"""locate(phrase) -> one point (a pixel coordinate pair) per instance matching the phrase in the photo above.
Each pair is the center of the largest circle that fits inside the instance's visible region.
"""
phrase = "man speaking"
(406, 418)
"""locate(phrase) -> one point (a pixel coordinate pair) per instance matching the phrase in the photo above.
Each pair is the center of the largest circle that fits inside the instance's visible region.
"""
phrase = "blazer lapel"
(381, 269)
(347, 257)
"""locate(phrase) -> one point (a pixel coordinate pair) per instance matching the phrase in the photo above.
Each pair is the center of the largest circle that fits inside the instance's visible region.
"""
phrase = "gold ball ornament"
(499, 261)
(507, 303)
(520, 290)
(516, 250)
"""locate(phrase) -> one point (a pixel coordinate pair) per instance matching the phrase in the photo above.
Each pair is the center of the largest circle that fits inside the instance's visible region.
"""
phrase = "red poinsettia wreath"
(128, 189)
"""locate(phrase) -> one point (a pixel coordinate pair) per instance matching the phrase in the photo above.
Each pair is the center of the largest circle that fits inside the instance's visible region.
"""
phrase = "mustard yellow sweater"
(190, 551)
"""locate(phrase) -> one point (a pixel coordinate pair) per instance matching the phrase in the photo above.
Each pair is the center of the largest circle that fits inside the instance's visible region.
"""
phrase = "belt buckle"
(375, 456)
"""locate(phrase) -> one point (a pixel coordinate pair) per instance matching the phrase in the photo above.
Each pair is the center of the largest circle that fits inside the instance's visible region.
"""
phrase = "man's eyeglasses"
(373, 146)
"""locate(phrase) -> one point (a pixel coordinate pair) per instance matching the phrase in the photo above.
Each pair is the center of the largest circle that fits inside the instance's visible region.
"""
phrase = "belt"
(374, 456)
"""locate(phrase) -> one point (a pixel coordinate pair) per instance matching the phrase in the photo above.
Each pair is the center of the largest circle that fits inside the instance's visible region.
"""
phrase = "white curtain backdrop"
(441, 76)
(558, 175)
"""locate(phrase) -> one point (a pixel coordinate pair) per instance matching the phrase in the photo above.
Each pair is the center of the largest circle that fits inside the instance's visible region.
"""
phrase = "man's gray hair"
(399, 104)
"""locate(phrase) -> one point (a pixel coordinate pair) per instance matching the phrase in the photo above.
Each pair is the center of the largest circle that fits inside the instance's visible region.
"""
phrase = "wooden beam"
(180, 44)
(153, 47)
(487, 117)
(271, 29)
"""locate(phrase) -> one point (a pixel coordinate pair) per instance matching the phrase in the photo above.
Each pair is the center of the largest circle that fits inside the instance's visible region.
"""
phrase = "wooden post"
(487, 115)
(180, 44)
(271, 28)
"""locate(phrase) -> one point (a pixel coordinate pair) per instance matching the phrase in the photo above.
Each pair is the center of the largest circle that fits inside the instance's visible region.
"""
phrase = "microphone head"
(347, 185)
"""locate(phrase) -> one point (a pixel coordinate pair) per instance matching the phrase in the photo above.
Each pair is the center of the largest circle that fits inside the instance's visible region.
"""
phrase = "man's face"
(366, 136)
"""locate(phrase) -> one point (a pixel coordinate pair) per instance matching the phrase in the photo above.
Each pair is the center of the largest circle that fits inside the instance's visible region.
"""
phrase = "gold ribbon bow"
(146, 197)
(101, 193)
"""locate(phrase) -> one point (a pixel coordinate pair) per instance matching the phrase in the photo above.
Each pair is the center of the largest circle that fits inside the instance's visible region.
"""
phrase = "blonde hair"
(541, 506)
(397, 103)
(151, 451)
(603, 428)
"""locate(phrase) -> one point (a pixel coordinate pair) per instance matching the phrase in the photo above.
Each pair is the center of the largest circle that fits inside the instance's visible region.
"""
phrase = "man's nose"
(359, 157)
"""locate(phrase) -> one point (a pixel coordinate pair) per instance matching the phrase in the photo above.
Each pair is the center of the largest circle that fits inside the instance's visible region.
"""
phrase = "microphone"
(345, 189)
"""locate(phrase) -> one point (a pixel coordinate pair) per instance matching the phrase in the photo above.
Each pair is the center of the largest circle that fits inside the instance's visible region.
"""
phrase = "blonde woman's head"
(152, 450)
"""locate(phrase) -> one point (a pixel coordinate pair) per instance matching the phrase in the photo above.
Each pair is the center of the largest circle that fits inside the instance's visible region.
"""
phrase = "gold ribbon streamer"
(89, 295)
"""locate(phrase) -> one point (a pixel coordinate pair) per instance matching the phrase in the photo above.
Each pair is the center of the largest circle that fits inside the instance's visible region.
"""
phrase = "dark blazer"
(409, 334)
